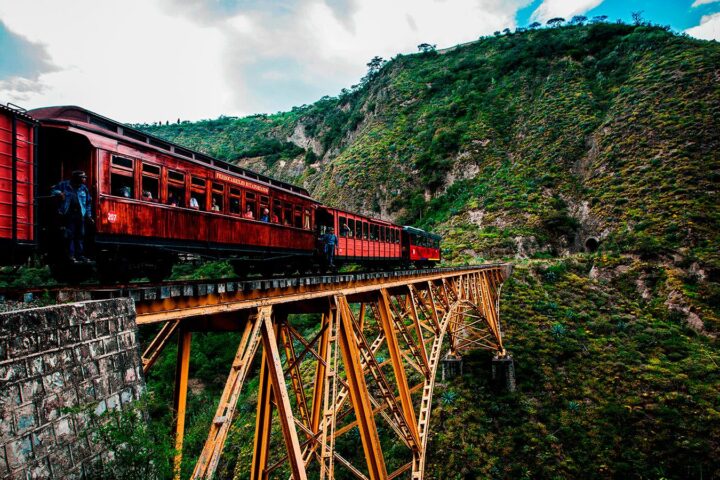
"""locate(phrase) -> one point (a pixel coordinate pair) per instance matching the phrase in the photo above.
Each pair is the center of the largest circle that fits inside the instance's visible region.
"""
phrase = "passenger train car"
(154, 201)
(17, 184)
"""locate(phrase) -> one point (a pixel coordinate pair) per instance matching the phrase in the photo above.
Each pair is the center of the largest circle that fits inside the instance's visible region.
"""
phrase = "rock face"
(58, 357)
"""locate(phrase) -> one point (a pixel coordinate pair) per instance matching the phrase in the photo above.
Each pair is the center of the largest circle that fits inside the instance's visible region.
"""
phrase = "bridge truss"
(370, 366)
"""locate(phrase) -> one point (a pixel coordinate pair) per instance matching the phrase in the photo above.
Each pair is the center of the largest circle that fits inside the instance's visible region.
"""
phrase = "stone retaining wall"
(56, 357)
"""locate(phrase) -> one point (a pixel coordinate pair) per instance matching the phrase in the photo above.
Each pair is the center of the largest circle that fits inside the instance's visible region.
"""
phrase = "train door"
(59, 154)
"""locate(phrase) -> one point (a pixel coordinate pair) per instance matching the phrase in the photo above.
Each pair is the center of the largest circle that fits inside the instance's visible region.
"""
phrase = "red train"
(154, 201)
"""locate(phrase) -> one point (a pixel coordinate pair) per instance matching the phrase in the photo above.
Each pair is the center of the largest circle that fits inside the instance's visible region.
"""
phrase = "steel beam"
(360, 398)
(282, 400)
(182, 370)
(210, 456)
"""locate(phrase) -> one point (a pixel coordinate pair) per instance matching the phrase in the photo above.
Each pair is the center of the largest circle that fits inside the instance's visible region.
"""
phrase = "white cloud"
(563, 8)
(697, 3)
(709, 28)
(125, 59)
(149, 60)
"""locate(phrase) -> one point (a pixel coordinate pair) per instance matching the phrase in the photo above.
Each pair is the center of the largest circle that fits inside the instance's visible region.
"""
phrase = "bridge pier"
(503, 372)
(452, 366)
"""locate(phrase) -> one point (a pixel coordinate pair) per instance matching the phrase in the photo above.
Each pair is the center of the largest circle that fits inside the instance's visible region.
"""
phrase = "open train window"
(150, 182)
(374, 235)
(176, 188)
(342, 224)
(307, 219)
(122, 178)
(264, 203)
(235, 201)
(250, 206)
(364, 230)
(351, 228)
(276, 212)
(287, 214)
(358, 229)
(218, 197)
(383, 231)
(298, 216)
(198, 194)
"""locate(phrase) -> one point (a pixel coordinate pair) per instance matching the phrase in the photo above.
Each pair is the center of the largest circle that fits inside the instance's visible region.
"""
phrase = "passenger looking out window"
(215, 207)
(194, 203)
(235, 205)
(277, 212)
(249, 212)
(306, 220)
(265, 217)
(176, 196)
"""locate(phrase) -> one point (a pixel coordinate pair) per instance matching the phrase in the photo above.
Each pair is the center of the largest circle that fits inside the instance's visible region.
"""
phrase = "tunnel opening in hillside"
(591, 244)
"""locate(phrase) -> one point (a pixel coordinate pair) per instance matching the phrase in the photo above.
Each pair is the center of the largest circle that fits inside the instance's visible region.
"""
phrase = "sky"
(143, 61)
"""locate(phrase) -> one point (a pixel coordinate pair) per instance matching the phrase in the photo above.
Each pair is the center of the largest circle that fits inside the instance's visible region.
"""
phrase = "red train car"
(420, 247)
(17, 184)
(154, 200)
(362, 239)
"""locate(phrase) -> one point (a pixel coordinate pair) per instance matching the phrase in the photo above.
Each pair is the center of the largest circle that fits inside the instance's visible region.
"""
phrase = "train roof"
(418, 231)
(88, 120)
(17, 111)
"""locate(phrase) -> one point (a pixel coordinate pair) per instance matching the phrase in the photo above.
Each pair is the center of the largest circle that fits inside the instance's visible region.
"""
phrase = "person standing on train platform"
(74, 209)
(330, 241)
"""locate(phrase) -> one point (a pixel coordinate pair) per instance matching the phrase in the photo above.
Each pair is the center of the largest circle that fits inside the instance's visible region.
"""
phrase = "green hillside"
(538, 147)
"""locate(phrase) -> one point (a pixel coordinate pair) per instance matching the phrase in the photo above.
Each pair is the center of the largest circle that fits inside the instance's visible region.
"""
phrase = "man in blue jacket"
(75, 208)
(329, 241)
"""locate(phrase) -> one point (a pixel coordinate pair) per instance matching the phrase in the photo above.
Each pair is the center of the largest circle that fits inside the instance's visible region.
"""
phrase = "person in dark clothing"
(74, 209)
(329, 241)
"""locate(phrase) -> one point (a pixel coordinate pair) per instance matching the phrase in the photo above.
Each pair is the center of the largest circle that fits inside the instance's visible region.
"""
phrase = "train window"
(250, 206)
(264, 203)
(298, 216)
(351, 228)
(396, 235)
(235, 200)
(218, 197)
(307, 220)
(287, 218)
(176, 195)
(276, 212)
(383, 231)
(121, 177)
(176, 189)
(364, 230)
(342, 223)
(198, 194)
(150, 182)
(121, 185)
(176, 177)
(122, 162)
(358, 229)
(151, 169)
(391, 235)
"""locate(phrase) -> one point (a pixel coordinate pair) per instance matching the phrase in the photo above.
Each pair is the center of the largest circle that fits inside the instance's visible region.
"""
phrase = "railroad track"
(189, 288)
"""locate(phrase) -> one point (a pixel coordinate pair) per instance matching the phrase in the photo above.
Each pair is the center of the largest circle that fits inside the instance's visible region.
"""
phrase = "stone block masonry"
(58, 357)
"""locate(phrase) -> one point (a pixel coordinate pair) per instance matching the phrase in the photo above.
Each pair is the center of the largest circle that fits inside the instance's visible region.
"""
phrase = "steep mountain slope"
(543, 146)
(606, 130)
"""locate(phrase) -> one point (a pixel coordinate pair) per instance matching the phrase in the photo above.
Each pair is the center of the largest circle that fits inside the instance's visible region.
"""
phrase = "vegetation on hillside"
(537, 146)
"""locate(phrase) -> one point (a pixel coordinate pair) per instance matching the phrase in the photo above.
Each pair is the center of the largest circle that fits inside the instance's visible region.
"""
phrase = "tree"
(637, 17)
(555, 22)
(375, 65)
(426, 48)
(599, 19)
(497, 33)
(506, 31)
(578, 20)
(535, 25)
